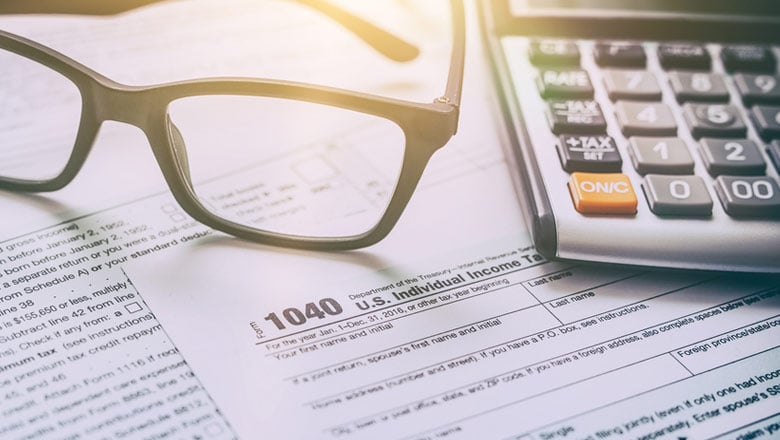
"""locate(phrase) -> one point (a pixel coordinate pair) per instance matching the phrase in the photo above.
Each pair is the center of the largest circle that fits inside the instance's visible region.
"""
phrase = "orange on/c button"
(599, 193)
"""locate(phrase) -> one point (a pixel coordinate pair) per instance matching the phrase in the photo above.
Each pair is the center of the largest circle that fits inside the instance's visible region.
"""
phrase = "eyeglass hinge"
(448, 101)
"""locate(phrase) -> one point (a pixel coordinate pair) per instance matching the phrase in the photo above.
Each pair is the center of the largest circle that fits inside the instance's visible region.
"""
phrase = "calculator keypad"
(683, 126)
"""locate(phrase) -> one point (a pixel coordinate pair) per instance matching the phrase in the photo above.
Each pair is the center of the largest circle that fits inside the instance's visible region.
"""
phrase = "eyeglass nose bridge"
(139, 107)
(132, 105)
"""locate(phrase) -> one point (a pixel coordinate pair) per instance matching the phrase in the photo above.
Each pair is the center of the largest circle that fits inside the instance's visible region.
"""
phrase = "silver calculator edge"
(720, 243)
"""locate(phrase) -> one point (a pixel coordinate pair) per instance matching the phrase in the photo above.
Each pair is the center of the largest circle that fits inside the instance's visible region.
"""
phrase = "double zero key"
(745, 196)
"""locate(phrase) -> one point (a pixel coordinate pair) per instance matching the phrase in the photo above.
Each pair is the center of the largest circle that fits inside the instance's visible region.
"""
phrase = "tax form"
(491, 342)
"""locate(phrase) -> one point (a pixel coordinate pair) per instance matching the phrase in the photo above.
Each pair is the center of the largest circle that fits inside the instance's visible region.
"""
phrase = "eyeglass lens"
(287, 166)
(39, 119)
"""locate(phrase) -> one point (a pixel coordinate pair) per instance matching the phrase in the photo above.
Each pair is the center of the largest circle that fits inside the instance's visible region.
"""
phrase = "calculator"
(643, 133)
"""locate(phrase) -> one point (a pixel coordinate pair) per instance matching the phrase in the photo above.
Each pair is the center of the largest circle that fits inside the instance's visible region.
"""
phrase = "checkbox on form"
(133, 307)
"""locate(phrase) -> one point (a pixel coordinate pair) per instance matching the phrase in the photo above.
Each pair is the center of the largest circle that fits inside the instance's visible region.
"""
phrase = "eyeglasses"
(275, 162)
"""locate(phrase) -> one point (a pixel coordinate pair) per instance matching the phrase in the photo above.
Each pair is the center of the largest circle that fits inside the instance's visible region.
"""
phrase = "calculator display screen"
(581, 7)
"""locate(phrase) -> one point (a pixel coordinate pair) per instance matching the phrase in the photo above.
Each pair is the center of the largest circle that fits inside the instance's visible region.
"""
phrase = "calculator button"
(576, 117)
(554, 53)
(758, 89)
(774, 154)
(645, 119)
(667, 155)
(716, 120)
(698, 86)
(677, 195)
(602, 193)
(632, 84)
(619, 54)
(749, 196)
(767, 121)
(564, 84)
(748, 59)
(683, 56)
(589, 153)
(738, 157)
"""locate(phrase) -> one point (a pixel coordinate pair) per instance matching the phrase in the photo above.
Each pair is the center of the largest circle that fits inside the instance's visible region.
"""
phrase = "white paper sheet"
(81, 354)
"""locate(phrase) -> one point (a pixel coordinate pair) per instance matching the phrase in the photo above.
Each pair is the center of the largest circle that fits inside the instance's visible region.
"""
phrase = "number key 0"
(677, 195)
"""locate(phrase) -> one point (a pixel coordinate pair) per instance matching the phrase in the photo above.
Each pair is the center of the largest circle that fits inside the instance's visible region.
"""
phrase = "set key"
(589, 153)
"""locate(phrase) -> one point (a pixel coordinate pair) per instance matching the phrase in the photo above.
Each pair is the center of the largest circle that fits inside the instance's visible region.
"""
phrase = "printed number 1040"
(295, 316)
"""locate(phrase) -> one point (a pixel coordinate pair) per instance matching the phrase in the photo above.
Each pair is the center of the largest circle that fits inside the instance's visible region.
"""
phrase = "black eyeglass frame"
(426, 126)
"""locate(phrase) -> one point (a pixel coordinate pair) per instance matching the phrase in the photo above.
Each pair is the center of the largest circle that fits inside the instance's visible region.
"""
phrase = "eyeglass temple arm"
(452, 92)
(81, 7)
(384, 42)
